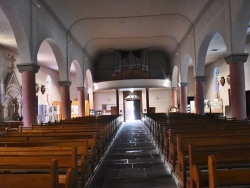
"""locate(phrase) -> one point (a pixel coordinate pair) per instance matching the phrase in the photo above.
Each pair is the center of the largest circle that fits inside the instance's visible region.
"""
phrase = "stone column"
(1, 100)
(117, 101)
(183, 97)
(81, 101)
(147, 100)
(65, 98)
(28, 92)
(199, 94)
(174, 96)
(91, 99)
(237, 84)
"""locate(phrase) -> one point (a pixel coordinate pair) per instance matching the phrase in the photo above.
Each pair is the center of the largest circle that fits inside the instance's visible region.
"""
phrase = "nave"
(132, 161)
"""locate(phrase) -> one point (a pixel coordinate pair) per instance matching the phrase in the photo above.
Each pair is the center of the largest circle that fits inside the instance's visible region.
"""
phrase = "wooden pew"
(85, 156)
(102, 137)
(102, 134)
(183, 150)
(32, 162)
(92, 143)
(174, 147)
(79, 157)
(171, 132)
(50, 179)
(187, 126)
(227, 177)
(231, 156)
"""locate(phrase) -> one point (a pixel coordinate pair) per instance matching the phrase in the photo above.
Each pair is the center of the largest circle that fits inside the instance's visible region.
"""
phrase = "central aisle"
(132, 162)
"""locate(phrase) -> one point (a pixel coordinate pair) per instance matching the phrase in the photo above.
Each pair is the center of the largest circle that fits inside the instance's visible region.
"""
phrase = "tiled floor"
(132, 162)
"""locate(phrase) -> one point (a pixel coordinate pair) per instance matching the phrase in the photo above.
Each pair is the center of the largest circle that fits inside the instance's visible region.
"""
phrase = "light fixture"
(214, 50)
(43, 89)
(222, 81)
(228, 79)
(37, 87)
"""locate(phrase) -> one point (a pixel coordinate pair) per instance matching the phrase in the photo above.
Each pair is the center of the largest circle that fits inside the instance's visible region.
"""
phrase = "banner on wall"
(74, 108)
(47, 113)
(216, 105)
(207, 106)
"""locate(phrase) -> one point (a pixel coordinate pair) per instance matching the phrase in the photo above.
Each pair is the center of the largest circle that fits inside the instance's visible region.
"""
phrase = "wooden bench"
(92, 143)
(170, 133)
(32, 159)
(227, 177)
(50, 179)
(231, 156)
(183, 150)
(101, 132)
(165, 128)
(85, 156)
(173, 139)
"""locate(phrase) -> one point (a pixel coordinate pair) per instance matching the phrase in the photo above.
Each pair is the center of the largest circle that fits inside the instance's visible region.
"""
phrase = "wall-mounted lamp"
(228, 79)
(43, 89)
(222, 81)
(37, 88)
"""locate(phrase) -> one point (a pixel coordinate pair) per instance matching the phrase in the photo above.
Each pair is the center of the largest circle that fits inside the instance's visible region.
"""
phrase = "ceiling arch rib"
(134, 27)
(165, 43)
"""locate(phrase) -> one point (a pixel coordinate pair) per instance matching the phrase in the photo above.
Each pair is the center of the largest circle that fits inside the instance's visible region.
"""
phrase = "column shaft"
(183, 98)
(117, 102)
(65, 98)
(29, 111)
(81, 102)
(174, 97)
(91, 100)
(237, 84)
(29, 98)
(199, 94)
(147, 100)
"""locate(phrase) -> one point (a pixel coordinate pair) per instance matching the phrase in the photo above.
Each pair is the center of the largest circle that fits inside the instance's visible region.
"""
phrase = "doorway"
(132, 106)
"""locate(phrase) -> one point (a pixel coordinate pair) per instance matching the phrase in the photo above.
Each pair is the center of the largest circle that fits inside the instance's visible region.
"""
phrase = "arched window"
(217, 82)
(48, 84)
(48, 89)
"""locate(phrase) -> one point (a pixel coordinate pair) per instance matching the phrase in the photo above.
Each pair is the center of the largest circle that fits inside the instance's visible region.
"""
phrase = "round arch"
(18, 30)
(79, 73)
(89, 81)
(240, 28)
(203, 52)
(175, 76)
(59, 60)
(187, 60)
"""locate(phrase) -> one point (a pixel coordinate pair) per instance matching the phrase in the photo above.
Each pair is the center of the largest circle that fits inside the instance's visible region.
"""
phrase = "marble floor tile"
(132, 162)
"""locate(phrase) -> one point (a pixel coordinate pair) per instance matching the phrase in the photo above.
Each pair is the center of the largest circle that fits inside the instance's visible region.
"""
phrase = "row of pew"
(203, 151)
(64, 154)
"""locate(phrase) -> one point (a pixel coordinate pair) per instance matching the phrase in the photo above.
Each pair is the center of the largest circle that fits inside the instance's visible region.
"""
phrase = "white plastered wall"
(161, 99)
(73, 87)
(105, 97)
(210, 84)
(41, 78)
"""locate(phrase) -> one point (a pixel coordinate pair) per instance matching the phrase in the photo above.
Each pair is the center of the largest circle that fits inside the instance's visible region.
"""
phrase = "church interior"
(135, 93)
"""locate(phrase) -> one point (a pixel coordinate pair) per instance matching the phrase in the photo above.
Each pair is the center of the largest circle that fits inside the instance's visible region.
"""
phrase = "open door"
(132, 107)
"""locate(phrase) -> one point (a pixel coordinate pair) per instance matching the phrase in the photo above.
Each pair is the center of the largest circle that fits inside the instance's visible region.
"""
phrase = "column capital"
(183, 83)
(200, 78)
(81, 88)
(28, 67)
(236, 58)
(174, 88)
(64, 83)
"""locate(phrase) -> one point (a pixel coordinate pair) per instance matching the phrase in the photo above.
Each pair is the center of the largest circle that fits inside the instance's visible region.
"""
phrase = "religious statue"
(16, 105)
